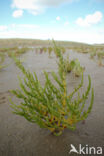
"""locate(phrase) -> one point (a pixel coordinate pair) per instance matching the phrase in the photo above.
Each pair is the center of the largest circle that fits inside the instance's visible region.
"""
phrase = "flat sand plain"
(18, 137)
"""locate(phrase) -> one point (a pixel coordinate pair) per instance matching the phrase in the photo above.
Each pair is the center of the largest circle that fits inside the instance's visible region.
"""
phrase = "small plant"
(21, 51)
(41, 50)
(92, 54)
(17, 51)
(77, 69)
(50, 51)
(68, 65)
(100, 56)
(63, 50)
(45, 49)
(74, 66)
(49, 106)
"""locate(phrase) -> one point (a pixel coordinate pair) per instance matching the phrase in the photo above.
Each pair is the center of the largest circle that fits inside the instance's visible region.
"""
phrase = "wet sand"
(18, 137)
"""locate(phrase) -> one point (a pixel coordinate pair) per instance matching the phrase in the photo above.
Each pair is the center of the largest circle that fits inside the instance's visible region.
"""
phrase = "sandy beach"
(18, 137)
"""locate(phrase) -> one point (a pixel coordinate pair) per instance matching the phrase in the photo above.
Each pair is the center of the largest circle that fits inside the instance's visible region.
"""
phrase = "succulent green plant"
(45, 49)
(74, 66)
(51, 106)
(92, 54)
(50, 51)
(17, 51)
(100, 56)
(63, 50)
(68, 65)
(77, 68)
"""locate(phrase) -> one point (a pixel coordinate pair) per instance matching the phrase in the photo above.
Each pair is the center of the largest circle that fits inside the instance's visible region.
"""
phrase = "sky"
(69, 20)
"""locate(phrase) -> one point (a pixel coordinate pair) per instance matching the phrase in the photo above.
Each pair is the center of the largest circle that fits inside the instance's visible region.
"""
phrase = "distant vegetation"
(96, 52)
(33, 42)
(17, 51)
(20, 46)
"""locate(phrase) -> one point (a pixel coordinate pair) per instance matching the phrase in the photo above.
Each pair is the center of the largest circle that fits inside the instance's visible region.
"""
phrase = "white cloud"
(58, 18)
(90, 19)
(18, 27)
(32, 4)
(66, 23)
(3, 27)
(26, 26)
(17, 13)
(37, 6)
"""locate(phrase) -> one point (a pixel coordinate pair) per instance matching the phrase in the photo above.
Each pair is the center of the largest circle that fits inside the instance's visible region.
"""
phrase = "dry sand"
(18, 137)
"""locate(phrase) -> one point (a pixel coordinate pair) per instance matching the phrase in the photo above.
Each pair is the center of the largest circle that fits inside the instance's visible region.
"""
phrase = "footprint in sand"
(3, 98)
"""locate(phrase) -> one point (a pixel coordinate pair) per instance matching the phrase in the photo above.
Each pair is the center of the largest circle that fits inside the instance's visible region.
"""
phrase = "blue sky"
(72, 20)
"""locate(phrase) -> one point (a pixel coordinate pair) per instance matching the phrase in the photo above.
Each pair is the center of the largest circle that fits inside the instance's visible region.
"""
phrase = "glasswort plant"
(49, 106)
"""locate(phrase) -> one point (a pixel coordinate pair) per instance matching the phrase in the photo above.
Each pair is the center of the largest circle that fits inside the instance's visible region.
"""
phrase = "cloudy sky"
(72, 20)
